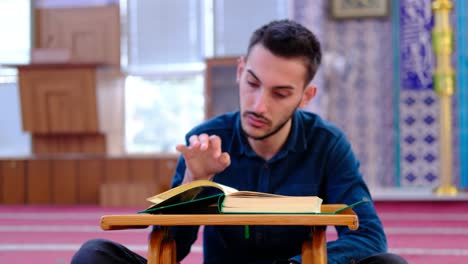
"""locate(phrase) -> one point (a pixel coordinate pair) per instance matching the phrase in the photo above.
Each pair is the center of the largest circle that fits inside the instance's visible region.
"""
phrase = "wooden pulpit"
(62, 103)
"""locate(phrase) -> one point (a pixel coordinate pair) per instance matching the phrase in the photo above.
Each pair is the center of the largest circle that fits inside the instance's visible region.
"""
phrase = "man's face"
(271, 89)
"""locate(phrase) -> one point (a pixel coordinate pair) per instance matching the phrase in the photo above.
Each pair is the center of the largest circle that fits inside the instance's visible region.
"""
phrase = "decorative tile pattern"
(416, 55)
(419, 106)
(419, 131)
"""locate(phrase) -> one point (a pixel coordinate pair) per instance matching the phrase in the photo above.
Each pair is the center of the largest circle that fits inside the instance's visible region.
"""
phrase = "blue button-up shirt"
(316, 160)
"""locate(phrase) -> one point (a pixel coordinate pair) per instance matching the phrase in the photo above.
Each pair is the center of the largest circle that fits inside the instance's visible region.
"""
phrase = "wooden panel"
(27, 104)
(12, 182)
(64, 182)
(92, 34)
(93, 144)
(138, 192)
(68, 143)
(221, 89)
(39, 182)
(116, 170)
(79, 179)
(54, 144)
(58, 100)
(112, 194)
(90, 175)
(166, 170)
(126, 194)
(143, 170)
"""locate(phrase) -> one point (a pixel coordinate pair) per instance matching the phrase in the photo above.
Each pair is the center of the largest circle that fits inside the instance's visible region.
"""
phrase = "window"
(236, 20)
(165, 46)
(159, 111)
(15, 26)
(165, 36)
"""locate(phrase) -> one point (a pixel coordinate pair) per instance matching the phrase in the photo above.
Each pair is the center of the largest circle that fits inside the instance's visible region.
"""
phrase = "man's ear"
(240, 68)
(309, 93)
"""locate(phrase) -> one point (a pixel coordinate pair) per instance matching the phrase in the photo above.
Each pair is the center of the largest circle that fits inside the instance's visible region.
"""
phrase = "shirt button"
(266, 166)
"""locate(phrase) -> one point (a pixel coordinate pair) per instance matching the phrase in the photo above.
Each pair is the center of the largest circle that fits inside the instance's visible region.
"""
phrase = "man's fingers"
(200, 143)
(182, 149)
(194, 142)
(204, 141)
(187, 152)
(225, 159)
(209, 145)
(215, 145)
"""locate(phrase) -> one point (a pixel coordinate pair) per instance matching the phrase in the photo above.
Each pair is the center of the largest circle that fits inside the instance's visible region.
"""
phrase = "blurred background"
(121, 82)
(95, 94)
(157, 68)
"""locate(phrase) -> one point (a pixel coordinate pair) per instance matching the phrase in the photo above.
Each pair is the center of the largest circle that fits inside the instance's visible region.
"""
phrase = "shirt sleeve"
(344, 184)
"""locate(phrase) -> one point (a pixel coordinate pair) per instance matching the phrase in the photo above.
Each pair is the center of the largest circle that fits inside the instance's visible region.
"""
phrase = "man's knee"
(384, 258)
(93, 251)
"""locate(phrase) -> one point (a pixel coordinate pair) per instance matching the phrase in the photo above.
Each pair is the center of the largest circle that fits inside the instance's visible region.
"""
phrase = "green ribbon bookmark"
(351, 205)
(246, 232)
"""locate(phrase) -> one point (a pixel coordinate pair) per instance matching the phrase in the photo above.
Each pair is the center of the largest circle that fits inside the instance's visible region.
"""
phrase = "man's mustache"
(259, 116)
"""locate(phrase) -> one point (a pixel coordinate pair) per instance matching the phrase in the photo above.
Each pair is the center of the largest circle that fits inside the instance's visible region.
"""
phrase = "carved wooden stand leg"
(314, 250)
(161, 249)
(168, 255)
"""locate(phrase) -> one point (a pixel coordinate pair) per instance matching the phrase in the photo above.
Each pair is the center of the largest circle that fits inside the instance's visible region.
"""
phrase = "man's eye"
(253, 84)
(280, 95)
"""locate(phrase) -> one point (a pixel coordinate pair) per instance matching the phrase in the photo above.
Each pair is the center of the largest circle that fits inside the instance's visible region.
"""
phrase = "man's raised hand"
(203, 157)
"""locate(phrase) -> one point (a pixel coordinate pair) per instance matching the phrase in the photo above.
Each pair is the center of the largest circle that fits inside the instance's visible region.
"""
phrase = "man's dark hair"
(289, 39)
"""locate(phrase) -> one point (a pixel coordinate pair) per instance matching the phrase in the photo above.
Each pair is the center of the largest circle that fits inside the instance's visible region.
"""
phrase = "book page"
(189, 191)
(254, 194)
(253, 202)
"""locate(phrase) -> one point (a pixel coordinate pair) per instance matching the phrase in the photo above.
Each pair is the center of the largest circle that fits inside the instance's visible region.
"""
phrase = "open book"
(205, 196)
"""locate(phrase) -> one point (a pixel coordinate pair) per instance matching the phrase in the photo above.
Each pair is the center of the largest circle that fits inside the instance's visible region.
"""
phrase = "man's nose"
(261, 101)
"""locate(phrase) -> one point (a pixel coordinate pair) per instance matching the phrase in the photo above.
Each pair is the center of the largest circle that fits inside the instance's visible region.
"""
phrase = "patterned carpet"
(422, 232)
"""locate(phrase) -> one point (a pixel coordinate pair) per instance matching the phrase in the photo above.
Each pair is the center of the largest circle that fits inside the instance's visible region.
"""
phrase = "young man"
(270, 145)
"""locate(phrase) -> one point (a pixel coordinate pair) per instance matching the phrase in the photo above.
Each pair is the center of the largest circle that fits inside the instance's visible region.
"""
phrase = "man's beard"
(267, 135)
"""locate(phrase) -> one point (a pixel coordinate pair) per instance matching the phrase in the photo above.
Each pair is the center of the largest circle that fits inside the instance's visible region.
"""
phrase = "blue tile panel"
(462, 88)
(418, 107)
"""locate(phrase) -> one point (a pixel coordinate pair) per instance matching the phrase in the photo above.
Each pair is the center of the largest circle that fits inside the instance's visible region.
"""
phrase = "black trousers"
(101, 251)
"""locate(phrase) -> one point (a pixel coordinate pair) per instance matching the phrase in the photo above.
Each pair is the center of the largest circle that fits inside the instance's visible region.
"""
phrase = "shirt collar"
(296, 141)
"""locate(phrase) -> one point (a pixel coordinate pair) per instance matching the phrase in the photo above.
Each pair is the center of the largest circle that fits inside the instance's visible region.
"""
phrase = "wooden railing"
(84, 179)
